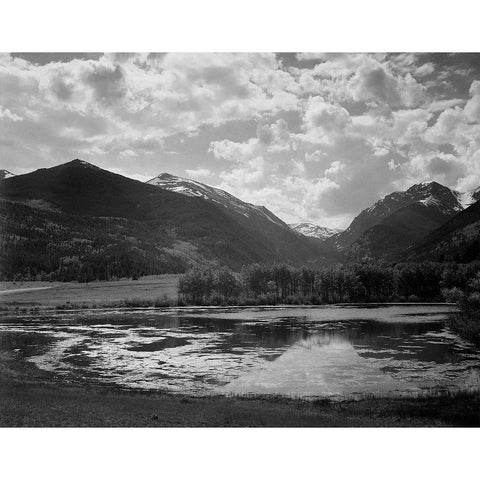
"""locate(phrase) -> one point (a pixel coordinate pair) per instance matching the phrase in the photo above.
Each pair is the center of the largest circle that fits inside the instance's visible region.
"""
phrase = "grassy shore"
(33, 404)
(45, 294)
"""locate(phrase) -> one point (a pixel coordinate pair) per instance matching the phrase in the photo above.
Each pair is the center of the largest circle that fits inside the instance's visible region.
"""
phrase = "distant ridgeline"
(78, 222)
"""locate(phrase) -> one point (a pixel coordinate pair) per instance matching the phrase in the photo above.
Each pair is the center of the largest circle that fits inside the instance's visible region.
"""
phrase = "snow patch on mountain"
(311, 230)
(5, 174)
(192, 188)
(466, 198)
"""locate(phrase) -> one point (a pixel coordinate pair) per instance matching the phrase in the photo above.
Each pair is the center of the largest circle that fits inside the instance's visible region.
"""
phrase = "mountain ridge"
(188, 187)
(79, 210)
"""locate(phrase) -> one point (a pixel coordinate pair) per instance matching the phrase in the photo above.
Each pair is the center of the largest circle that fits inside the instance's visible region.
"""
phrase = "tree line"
(358, 282)
(466, 322)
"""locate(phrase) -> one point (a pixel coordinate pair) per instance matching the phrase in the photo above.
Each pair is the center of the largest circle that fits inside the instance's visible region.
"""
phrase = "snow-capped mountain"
(312, 230)
(440, 200)
(193, 188)
(5, 174)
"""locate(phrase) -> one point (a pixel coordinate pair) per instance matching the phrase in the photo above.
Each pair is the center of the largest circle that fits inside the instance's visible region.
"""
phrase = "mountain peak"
(166, 176)
(79, 162)
(427, 186)
(5, 174)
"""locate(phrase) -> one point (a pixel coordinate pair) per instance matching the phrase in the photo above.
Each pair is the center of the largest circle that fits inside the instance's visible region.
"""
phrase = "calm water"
(295, 351)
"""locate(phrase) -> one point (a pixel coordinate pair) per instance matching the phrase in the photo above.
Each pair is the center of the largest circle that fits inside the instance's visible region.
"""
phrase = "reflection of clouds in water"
(325, 351)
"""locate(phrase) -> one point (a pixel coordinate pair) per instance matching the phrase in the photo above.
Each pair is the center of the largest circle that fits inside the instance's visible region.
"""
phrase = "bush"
(452, 295)
(467, 322)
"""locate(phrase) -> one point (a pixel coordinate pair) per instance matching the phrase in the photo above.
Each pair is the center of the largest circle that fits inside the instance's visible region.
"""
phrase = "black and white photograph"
(239, 239)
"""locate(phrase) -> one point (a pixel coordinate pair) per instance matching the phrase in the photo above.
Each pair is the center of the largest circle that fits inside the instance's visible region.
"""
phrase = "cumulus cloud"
(198, 173)
(472, 108)
(324, 121)
(425, 69)
(8, 115)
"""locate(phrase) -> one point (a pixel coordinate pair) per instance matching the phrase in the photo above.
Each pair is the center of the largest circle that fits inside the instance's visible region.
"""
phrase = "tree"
(226, 284)
(196, 285)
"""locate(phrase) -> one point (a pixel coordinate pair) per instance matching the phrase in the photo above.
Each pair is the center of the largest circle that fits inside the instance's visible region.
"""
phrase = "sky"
(313, 137)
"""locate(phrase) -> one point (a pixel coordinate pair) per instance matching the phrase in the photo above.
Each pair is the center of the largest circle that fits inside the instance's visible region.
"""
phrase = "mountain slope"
(458, 239)
(432, 194)
(316, 231)
(261, 222)
(220, 197)
(79, 214)
(397, 232)
(5, 174)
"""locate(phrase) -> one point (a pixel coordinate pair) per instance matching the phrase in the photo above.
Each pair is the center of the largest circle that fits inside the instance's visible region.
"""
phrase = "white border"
(242, 25)
(239, 453)
(248, 25)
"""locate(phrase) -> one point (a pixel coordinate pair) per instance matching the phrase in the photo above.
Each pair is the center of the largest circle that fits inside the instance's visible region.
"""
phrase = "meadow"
(51, 294)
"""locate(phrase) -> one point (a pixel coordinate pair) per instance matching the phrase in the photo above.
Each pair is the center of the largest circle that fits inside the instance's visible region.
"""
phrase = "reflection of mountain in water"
(313, 367)
(294, 352)
(371, 339)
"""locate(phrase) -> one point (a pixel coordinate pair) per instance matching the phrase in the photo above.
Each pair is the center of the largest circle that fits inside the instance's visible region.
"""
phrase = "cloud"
(7, 114)
(128, 153)
(425, 69)
(198, 173)
(375, 83)
(324, 121)
(472, 108)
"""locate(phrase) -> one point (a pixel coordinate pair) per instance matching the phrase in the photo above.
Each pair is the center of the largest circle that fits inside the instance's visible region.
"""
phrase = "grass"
(36, 404)
(87, 295)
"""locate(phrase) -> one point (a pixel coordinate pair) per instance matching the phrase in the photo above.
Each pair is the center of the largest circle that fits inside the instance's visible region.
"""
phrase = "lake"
(301, 352)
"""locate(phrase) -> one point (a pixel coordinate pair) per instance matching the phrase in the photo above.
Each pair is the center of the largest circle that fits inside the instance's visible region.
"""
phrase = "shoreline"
(85, 308)
(33, 403)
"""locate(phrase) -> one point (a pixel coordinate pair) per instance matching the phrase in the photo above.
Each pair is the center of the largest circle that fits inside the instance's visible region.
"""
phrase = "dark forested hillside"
(456, 240)
(77, 221)
(393, 235)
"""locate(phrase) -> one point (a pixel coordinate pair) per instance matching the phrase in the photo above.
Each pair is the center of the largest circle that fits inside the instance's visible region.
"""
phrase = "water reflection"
(304, 352)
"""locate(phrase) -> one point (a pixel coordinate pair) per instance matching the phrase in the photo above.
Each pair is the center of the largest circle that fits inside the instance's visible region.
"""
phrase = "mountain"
(262, 224)
(77, 221)
(315, 231)
(5, 174)
(214, 195)
(432, 194)
(457, 240)
(400, 220)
